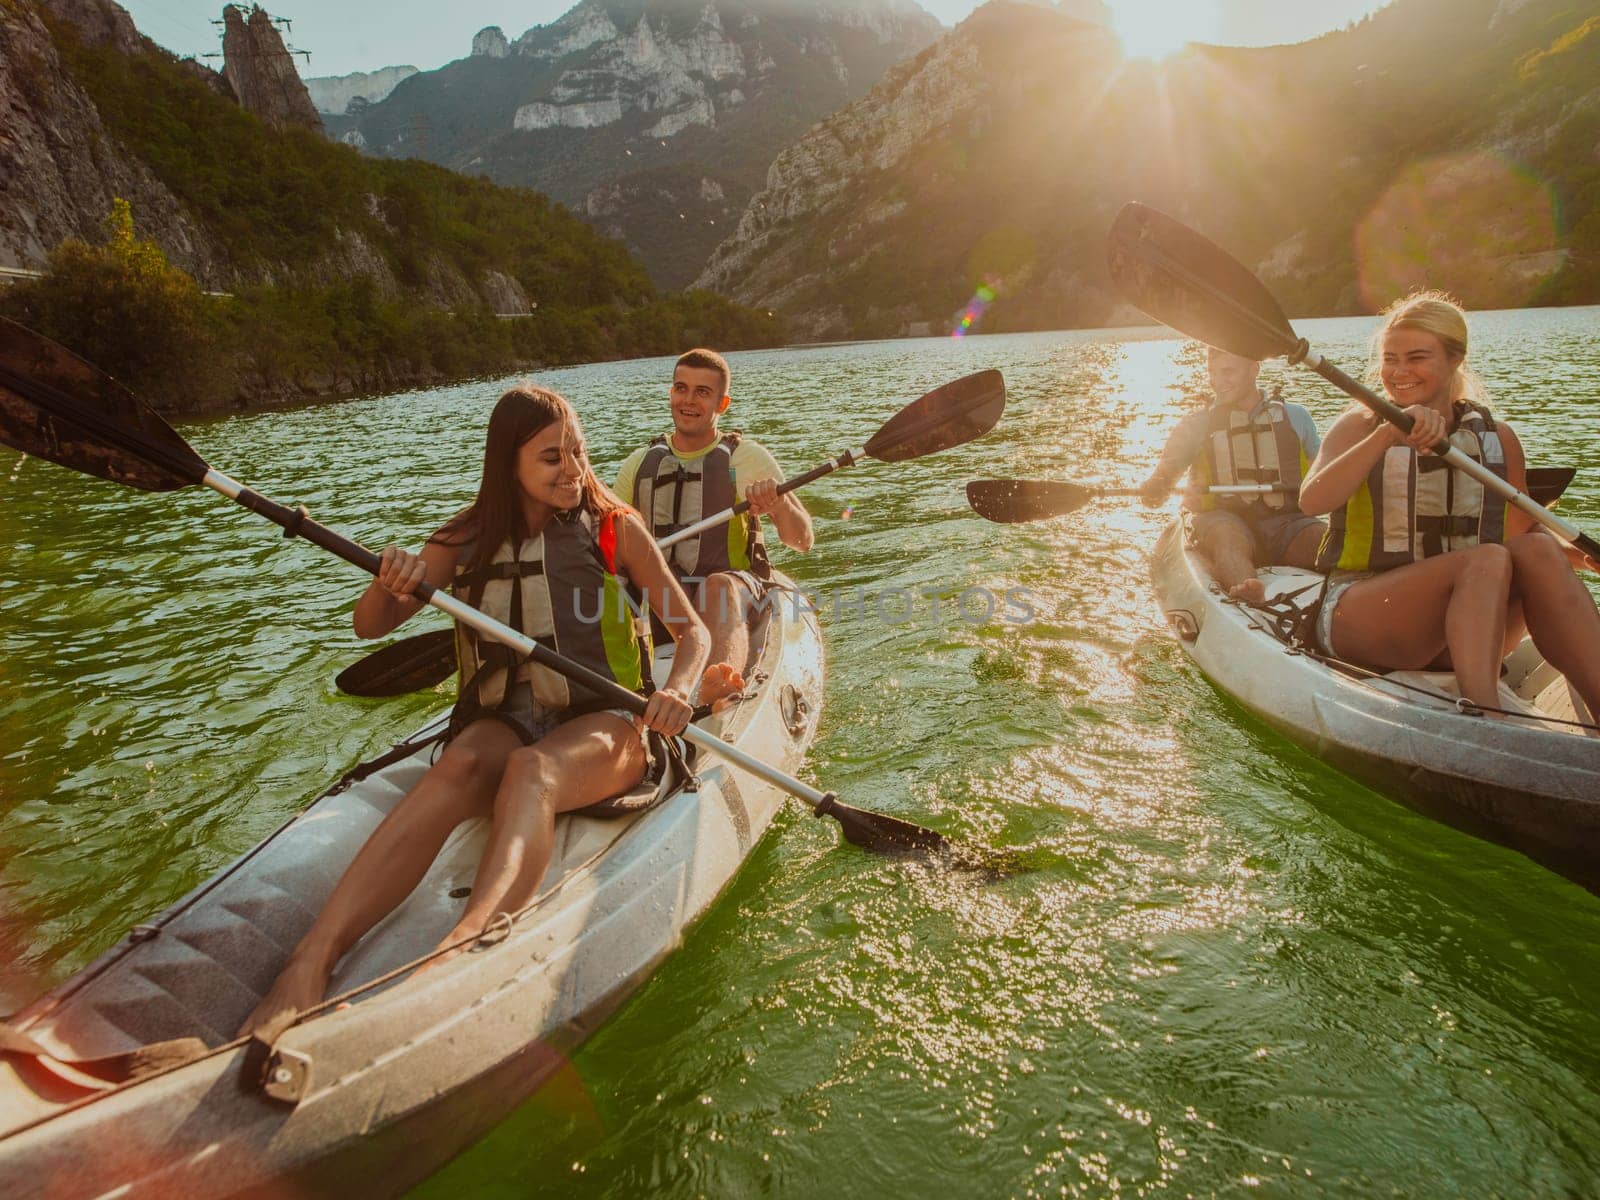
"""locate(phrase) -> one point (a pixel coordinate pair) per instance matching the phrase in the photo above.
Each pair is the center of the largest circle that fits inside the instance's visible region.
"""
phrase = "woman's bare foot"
(1251, 591)
(458, 940)
(720, 682)
(299, 986)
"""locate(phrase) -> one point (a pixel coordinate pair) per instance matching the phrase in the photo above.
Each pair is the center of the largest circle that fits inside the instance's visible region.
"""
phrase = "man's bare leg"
(723, 604)
(1230, 551)
(1302, 551)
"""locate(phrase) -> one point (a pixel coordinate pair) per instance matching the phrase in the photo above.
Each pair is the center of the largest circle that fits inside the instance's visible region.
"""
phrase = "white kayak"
(369, 1097)
(1530, 781)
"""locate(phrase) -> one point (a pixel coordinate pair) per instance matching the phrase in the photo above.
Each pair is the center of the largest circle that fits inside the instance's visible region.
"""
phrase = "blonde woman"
(1427, 569)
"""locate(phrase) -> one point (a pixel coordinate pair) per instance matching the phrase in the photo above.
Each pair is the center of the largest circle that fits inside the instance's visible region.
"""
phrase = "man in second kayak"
(1242, 438)
(697, 470)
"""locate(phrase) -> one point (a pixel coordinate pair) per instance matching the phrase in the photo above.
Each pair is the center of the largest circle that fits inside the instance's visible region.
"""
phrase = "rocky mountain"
(59, 165)
(654, 119)
(261, 72)
(333, 94)
(1449, 142)
(96, 111)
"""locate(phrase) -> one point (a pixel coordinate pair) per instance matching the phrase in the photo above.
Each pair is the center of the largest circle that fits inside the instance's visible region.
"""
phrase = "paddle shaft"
(296, 523)
(1215, 489)
(1305, 356)
(848, 459)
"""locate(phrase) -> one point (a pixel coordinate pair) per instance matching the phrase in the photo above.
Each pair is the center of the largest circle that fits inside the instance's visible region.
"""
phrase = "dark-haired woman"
(549, 549)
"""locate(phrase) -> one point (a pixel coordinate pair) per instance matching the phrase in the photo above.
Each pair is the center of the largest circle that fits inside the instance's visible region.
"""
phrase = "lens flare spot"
(1473, 224)
(972, 312)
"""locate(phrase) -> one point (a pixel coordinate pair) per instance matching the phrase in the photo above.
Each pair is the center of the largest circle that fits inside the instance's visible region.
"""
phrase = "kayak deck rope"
(1288, 621)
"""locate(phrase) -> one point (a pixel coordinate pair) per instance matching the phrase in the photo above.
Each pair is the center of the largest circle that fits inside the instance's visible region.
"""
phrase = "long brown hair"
(495, 517)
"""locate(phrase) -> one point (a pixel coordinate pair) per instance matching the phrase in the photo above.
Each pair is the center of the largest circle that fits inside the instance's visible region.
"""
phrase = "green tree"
(125, 308)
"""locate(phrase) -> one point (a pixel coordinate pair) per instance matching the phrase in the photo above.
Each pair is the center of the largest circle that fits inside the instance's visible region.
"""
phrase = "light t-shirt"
(750, 460)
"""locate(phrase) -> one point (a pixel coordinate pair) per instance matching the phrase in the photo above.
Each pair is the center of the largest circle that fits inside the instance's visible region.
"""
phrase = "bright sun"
(1156, 28)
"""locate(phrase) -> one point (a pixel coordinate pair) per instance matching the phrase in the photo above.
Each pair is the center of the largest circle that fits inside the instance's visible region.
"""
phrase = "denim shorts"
(1339, 582)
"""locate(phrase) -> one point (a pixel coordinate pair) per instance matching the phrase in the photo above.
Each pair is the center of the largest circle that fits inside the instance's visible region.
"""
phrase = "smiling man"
(694, 471)
(1244, 437)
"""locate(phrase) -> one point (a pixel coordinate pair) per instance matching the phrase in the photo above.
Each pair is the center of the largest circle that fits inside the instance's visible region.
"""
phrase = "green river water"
(1229, 969)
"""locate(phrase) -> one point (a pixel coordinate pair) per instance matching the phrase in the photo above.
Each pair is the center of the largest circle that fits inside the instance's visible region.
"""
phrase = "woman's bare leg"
(1407, 619)
(461, 785)
(1561, 615)
(588, 759)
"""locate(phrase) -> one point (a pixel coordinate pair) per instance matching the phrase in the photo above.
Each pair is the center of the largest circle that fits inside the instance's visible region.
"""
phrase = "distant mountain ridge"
(332, 94)
(1451, 142)
(654, 119)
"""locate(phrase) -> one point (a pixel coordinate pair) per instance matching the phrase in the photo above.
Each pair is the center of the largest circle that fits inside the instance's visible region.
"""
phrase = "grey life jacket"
(1260, 446)
(673, 493)
(561, 588)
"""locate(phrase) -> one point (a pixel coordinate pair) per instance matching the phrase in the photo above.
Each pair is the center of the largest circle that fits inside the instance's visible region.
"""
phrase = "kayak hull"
(374, 1097)
(1530, 785)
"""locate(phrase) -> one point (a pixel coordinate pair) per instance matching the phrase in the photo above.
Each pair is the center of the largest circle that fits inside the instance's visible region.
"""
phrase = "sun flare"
(1155, 29)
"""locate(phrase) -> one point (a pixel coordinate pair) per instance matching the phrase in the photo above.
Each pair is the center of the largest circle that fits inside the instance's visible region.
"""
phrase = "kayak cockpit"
(1530, 688)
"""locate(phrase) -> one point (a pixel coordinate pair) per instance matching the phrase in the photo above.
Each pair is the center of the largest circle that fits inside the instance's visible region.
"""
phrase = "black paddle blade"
(948, 416)
(1181, 279)
(1545, 484)
(402, 667)
(882, 834)
(1012, 501)
(55, 405)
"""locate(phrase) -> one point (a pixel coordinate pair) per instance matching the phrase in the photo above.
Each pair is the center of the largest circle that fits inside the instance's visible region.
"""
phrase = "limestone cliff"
(261, 71)
(490, 42)
(812, 183)
(334, 94)
(656, 118)
(63, 159)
